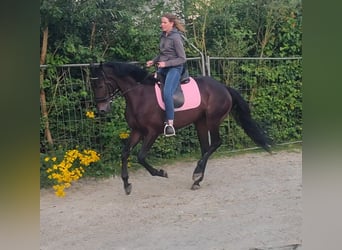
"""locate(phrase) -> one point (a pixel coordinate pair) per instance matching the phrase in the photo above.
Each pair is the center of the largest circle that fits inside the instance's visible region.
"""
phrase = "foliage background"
(99, 30)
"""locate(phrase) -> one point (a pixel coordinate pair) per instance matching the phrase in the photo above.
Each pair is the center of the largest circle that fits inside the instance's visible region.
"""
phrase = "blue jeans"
(172, 77)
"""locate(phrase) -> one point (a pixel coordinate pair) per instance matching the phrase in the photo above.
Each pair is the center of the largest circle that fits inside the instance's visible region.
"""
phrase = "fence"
(272, 86)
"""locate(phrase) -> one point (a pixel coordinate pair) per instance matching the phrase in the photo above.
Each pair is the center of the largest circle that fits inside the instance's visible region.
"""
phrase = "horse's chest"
(130, 118)
(133, 118)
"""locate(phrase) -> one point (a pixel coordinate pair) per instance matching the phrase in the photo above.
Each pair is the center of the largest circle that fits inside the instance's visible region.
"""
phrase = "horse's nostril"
(101, 112)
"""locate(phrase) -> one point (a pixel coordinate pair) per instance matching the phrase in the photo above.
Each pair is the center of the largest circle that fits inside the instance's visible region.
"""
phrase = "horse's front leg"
(146, 146)
(131, 143)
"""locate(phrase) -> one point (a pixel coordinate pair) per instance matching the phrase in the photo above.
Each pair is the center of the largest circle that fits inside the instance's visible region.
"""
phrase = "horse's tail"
(242, 115)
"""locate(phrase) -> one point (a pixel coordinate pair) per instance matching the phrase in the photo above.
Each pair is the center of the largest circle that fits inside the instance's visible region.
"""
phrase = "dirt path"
(246, 201)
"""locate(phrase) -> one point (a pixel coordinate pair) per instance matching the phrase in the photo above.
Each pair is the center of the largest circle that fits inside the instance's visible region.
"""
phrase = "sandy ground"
(249, 201)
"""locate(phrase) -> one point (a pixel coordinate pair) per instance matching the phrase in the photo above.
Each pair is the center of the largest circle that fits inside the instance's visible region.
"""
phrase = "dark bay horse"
(146, 119)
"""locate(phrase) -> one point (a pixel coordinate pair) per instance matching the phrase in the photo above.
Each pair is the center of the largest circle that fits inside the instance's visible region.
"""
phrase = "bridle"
(110, 90)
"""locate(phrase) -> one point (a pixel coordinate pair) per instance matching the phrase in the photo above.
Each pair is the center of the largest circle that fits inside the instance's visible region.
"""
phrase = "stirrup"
(169, 130)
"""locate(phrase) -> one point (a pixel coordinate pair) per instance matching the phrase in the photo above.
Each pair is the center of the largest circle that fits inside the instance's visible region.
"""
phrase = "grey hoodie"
(171, 49)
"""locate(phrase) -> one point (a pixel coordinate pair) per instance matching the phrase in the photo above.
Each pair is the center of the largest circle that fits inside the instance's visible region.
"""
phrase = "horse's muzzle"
(102, 112)
(103, 108)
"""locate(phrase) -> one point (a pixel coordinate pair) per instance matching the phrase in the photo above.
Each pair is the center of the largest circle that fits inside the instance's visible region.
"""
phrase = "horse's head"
(104, 88)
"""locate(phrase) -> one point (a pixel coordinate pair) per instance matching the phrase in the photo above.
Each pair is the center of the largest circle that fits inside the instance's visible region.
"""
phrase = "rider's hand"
(149, 63)
(161, 64)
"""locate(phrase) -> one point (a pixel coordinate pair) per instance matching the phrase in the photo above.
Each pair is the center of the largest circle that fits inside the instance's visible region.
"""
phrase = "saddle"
(178, 96)
(191, 96)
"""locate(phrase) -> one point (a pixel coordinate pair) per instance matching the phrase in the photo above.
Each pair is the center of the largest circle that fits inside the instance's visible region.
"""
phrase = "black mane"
(139, 74)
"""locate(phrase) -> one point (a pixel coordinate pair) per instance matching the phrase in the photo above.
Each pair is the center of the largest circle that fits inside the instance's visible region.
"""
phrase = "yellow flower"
(90, 114)
(124, 135)
(47, 159)
(66, 171)
(60, 193)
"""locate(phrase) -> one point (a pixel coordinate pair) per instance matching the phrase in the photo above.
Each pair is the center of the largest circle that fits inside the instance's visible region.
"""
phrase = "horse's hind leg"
(207, 149)
(202, 134)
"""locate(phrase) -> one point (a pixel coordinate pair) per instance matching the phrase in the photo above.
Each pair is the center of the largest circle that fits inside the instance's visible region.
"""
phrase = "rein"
(130, 89)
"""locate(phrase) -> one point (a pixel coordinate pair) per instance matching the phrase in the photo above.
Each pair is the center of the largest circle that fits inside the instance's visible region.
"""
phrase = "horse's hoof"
(195, 186)
(128, 189)
(197, 177)
(163, 173)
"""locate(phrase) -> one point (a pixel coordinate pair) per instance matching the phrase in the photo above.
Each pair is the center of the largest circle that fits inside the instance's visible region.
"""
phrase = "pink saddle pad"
(192, 96)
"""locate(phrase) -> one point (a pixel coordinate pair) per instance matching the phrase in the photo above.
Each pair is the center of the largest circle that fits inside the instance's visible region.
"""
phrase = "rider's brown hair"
(175, 20)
